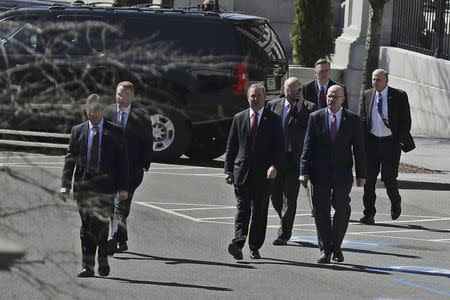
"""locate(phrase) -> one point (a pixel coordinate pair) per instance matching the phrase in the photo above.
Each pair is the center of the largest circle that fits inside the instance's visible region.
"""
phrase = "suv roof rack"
(93, 4)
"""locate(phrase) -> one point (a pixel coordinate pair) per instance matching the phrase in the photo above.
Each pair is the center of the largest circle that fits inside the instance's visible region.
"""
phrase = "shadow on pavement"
(171, 284)
(176, 261)
(412, 227)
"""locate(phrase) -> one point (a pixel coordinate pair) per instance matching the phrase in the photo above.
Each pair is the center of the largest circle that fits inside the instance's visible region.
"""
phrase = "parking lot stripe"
(187, 174)
(396, 231)
(203, 208)
(398, 237)
(169, 211)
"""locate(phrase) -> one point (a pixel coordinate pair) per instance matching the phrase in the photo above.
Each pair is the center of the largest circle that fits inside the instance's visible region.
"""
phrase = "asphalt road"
(180, 225)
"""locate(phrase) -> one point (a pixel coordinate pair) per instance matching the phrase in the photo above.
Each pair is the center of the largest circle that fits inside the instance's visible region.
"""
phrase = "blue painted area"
(427, 289)
(417, 270)
(353, 244)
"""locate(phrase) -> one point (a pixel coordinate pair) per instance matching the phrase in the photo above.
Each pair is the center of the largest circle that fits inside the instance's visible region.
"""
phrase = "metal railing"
(422, 26)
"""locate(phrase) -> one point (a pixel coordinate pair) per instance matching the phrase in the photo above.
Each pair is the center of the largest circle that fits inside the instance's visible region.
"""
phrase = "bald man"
(386, 119)
(334, 138)
(294, 112)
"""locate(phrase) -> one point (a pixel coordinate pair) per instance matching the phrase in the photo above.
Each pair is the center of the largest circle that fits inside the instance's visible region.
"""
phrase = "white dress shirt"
(259, 116)
(377, 125)
(127, 113)
(338, 118)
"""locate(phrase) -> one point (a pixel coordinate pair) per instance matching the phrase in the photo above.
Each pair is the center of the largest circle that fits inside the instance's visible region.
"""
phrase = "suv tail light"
(240, 75)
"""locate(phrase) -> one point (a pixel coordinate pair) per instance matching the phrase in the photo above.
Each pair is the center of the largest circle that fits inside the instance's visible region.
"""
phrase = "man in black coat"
(294, 112)
(386, 119)
(333, 138)
(316, 90)
(97, 160)
(139, 140)
(253, 156)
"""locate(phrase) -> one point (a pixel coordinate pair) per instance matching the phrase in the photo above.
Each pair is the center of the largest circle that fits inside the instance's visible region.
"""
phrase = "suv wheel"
(171, 136)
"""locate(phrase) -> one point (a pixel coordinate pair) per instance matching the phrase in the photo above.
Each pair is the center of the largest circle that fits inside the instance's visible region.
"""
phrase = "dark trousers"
(382, 155)
(252, 205)
(122, 209)
(95, 209)
(284, 195)
(330, 233)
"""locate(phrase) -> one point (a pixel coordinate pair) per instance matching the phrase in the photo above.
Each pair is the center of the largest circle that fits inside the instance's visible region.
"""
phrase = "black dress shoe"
(280, 242)
(235, 251)
(123, 247)
(396, 211)
(255, 254)
(338, 256)
(325, 258)
(111, 247)
(103, 266)
(86, 272)
(367, 220)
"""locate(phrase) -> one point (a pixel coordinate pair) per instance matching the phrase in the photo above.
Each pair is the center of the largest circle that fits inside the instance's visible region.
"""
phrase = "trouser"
(122, 210)
(384, 155)
(95, 210)
(330, 233)
(252, 206)
(284, 195)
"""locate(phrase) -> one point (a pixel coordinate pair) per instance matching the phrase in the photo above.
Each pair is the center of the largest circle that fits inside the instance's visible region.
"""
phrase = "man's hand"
(123, 195)
(360, 182)
(299, 99)
(229, 179)
(304, 180)
(64, 193)
(271, 172)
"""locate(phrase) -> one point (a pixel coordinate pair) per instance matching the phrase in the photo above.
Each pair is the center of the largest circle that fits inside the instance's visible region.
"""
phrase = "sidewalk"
(430, 153)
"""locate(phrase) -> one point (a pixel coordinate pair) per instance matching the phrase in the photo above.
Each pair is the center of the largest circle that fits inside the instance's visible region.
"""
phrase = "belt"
(381, 138)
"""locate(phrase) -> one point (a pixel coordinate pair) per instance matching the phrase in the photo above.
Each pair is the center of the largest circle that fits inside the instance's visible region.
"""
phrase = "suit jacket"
(328, 162)
(399, 115)
(244, 157)
(139, 138)
(297, 123)
(310, 92)
(112, 175)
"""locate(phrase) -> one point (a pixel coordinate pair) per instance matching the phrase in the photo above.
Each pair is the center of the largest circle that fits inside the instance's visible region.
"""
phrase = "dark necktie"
(322, 98)
(254, 126)
(287, 116)
(380, 110)
(121, 119)
(333, 127)
(93, 160)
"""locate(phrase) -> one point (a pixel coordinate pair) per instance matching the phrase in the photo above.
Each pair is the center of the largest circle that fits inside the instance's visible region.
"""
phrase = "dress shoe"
(338, 256)
(367, 220)
(255, 254)
(325, 258)
(86, 272)
(123, 247)
(280, 242)
(111, 247)
(235, 251)
(103, 266)
(396, 210)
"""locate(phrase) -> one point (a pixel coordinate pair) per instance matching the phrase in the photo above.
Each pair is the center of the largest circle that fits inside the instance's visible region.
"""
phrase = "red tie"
(254, 125)
(322, 98)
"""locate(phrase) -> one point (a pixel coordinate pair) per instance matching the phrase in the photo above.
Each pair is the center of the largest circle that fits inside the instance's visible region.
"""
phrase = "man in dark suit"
(294, 112)
(253, 156)
(139, 139)
(98, 156)
(386, 119)
(316, 90)
(332, 135)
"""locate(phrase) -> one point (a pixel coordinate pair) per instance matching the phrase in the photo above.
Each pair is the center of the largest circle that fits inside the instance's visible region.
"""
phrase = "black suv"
(190, 68)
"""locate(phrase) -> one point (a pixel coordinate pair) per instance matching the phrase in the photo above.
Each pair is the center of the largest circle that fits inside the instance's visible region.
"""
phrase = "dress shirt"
(127, 113)
(251, 113)
(338, 118)
(90, 134)
(377, 125)
(319, 86)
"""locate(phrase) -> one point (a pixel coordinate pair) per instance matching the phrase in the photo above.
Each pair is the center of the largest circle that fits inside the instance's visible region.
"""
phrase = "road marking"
(174, 167)
(399, 237)
(187, 204)
(169, 211)
(396, 231)
(190, 174)
(412, 284)
(202, 208)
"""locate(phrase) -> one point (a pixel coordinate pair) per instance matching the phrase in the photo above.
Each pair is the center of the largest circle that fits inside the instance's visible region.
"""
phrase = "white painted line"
(190, 174)
(396, 231)
(203, 208)
(29, 164)
(440, 240)
(174, 167)
(169, 211)
(216, 218)
(187, 204)
(33, 166)
(409, 221)
(217, 222)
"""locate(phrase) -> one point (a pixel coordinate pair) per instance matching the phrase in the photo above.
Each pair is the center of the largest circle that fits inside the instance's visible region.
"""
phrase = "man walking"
(97, 160)
(294, 112)
(333, 138)
(386, 120)
(139, 141)
(253, 156)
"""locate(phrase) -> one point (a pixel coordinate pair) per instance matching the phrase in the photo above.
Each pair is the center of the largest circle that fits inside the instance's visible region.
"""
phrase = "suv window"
(19, 36)
(260, 43)
(189, 38)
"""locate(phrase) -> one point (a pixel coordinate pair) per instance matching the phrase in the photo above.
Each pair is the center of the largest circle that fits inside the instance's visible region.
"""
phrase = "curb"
(9, 253)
